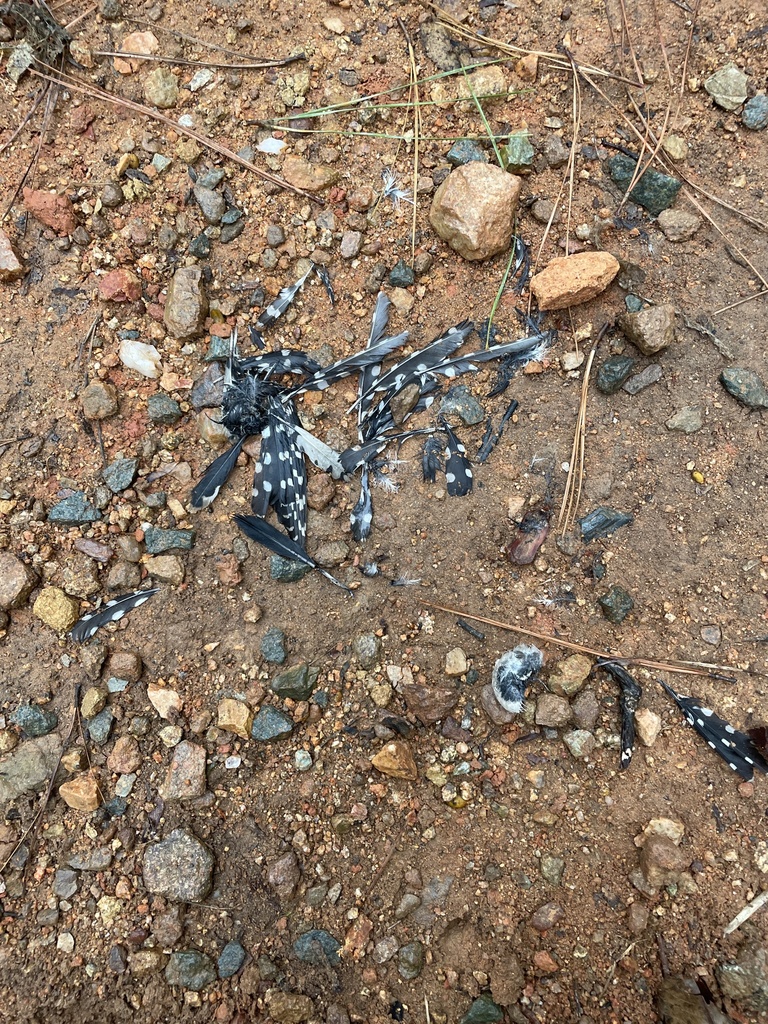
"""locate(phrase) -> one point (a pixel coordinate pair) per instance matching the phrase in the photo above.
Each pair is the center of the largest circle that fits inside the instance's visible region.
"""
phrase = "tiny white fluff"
(513, 673)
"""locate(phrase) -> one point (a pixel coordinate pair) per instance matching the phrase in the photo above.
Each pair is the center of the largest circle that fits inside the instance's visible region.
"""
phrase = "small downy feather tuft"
(112, 611)
(512, 675)
(734, 747)
(265, 534)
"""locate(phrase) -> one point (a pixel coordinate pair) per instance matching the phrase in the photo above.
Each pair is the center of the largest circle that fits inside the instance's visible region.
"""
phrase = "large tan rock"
(396, 760)
(56, 609)
(186, 305)
(81, 793)
(651, 329)
(571, 280)
(474, 210)
(16, 581)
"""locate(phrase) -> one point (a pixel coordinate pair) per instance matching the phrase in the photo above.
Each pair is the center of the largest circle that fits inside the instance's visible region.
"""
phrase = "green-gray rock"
(200, 248)
(317, 947)
(190, 969)
(295, 683)
(218, 350)
(755, 113)
(616, 604)
(613, 372)
(517, 156)
(100, 726)
(158, 540)
(287, 570)
(552, 868)
(270, 724)
(74, 511)
(271, 645)
(120, 474)
(34, 721)
(367, 649)
(231, 959)
(746, 386)
(687, 420)
(482, 1011)
(654, 191)
(163, 409)
(410, 960)
(459, 402)
(465, 151)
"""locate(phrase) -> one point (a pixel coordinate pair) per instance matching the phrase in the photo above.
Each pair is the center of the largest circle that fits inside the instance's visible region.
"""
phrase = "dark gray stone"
(745, 979)
(401, 275)
(232, 216)
(616, 604)
(212, 178)
(218, 350)
(459, 402)
(687, 420)
(212, 205)
(746, 386)
(99, 859)
(100, 726)
(755, 113)
(270, 724)
(271, 645)
(275, 235)
(231, 959)
(190, 969)
(613, 373)
(163, 409)
(208, 390)
(466, 151)
(74, 511)
(200, 246)
(367, 649)
(117, 961)
(65, 883)
(410, 960)
(295, 683)
(602, 521)
(633, 303)
(34, 721)
(650, 375)
(229, 232)
(654, 191)
(286, 570)
(179, 867)
(317, 947)
(157, 540)
(120, 474)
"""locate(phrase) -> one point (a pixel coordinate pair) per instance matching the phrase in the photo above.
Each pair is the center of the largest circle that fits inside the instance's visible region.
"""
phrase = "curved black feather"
(215, 476)
(112, 611)
(631, 692)
(265, 534)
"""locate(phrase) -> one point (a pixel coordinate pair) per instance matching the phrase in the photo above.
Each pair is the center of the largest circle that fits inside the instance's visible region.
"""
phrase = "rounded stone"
(99, 401)
(161, 88)
(474, 209)
(179, 868)
(56, 609)
(190, 969)
(755, 113)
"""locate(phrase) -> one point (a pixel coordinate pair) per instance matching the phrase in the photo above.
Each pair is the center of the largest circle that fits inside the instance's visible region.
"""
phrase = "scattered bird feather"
(264, 533)
(327, 375)
(325, 279)
(369, 569)
(631, 692)
(430, 460)
(734, 747)
(112, 611)
(458, 470)
(278, 305)
(215, 476)
(491, 439)
(361, 517)
(286, 360)
(512, 675)
(393, 191)
(404, 581)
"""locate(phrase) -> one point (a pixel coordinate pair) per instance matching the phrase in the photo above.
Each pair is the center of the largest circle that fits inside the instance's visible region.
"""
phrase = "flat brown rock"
(310, 177)
(54, 211)
(430, 704)
(81, 793)
(571, 280)
(396, 760)
(474, 210)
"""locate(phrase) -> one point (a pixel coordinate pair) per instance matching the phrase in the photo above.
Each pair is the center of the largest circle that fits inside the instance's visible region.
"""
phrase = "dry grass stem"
(180, 61)
(575, 478)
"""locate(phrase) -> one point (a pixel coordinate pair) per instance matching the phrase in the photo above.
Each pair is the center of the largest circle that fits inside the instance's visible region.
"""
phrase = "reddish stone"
(543, 962)
(10, 266)
(120, 286)
(54, 211)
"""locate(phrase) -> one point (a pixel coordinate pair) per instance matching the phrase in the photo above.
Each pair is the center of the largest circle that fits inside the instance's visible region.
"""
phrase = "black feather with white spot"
(215, 476)
(361, 517)
(631, 692)
(278, 305)
(734, 747)
(112, 611)
(458, 469)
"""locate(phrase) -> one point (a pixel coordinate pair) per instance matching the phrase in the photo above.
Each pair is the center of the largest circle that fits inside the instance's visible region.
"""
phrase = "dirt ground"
(695, 555)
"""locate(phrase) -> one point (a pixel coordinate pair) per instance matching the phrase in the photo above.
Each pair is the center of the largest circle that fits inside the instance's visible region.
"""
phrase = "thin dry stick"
(695, 668)
(740, 302)
(68, 82)
(575, 478)
(416, 132)
(25, 120)
(746, 913)
(199, 63)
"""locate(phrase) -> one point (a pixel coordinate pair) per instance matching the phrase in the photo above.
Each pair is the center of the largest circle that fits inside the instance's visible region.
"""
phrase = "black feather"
(286, 360)
(458, 469)
(112, 611)
(265, 534)
(215, 476)
(734, 747)
(430, 460)
(631, 692)
(490, 440)
(361, 517)
(278, 306)
(328, 375)
(325, 278)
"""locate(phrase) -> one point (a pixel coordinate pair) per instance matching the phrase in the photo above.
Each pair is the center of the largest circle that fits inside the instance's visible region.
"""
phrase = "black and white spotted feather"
(631, 692)
(458, 469)
(286, 360)
(526, 349)
(215, 476)
(361, 516)
(283, 300)
(265, 534)
(325, 279)
(734, 747)
(323, 378)
(420, 363)
(279, 477)
(430, 459)
(112, 611)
